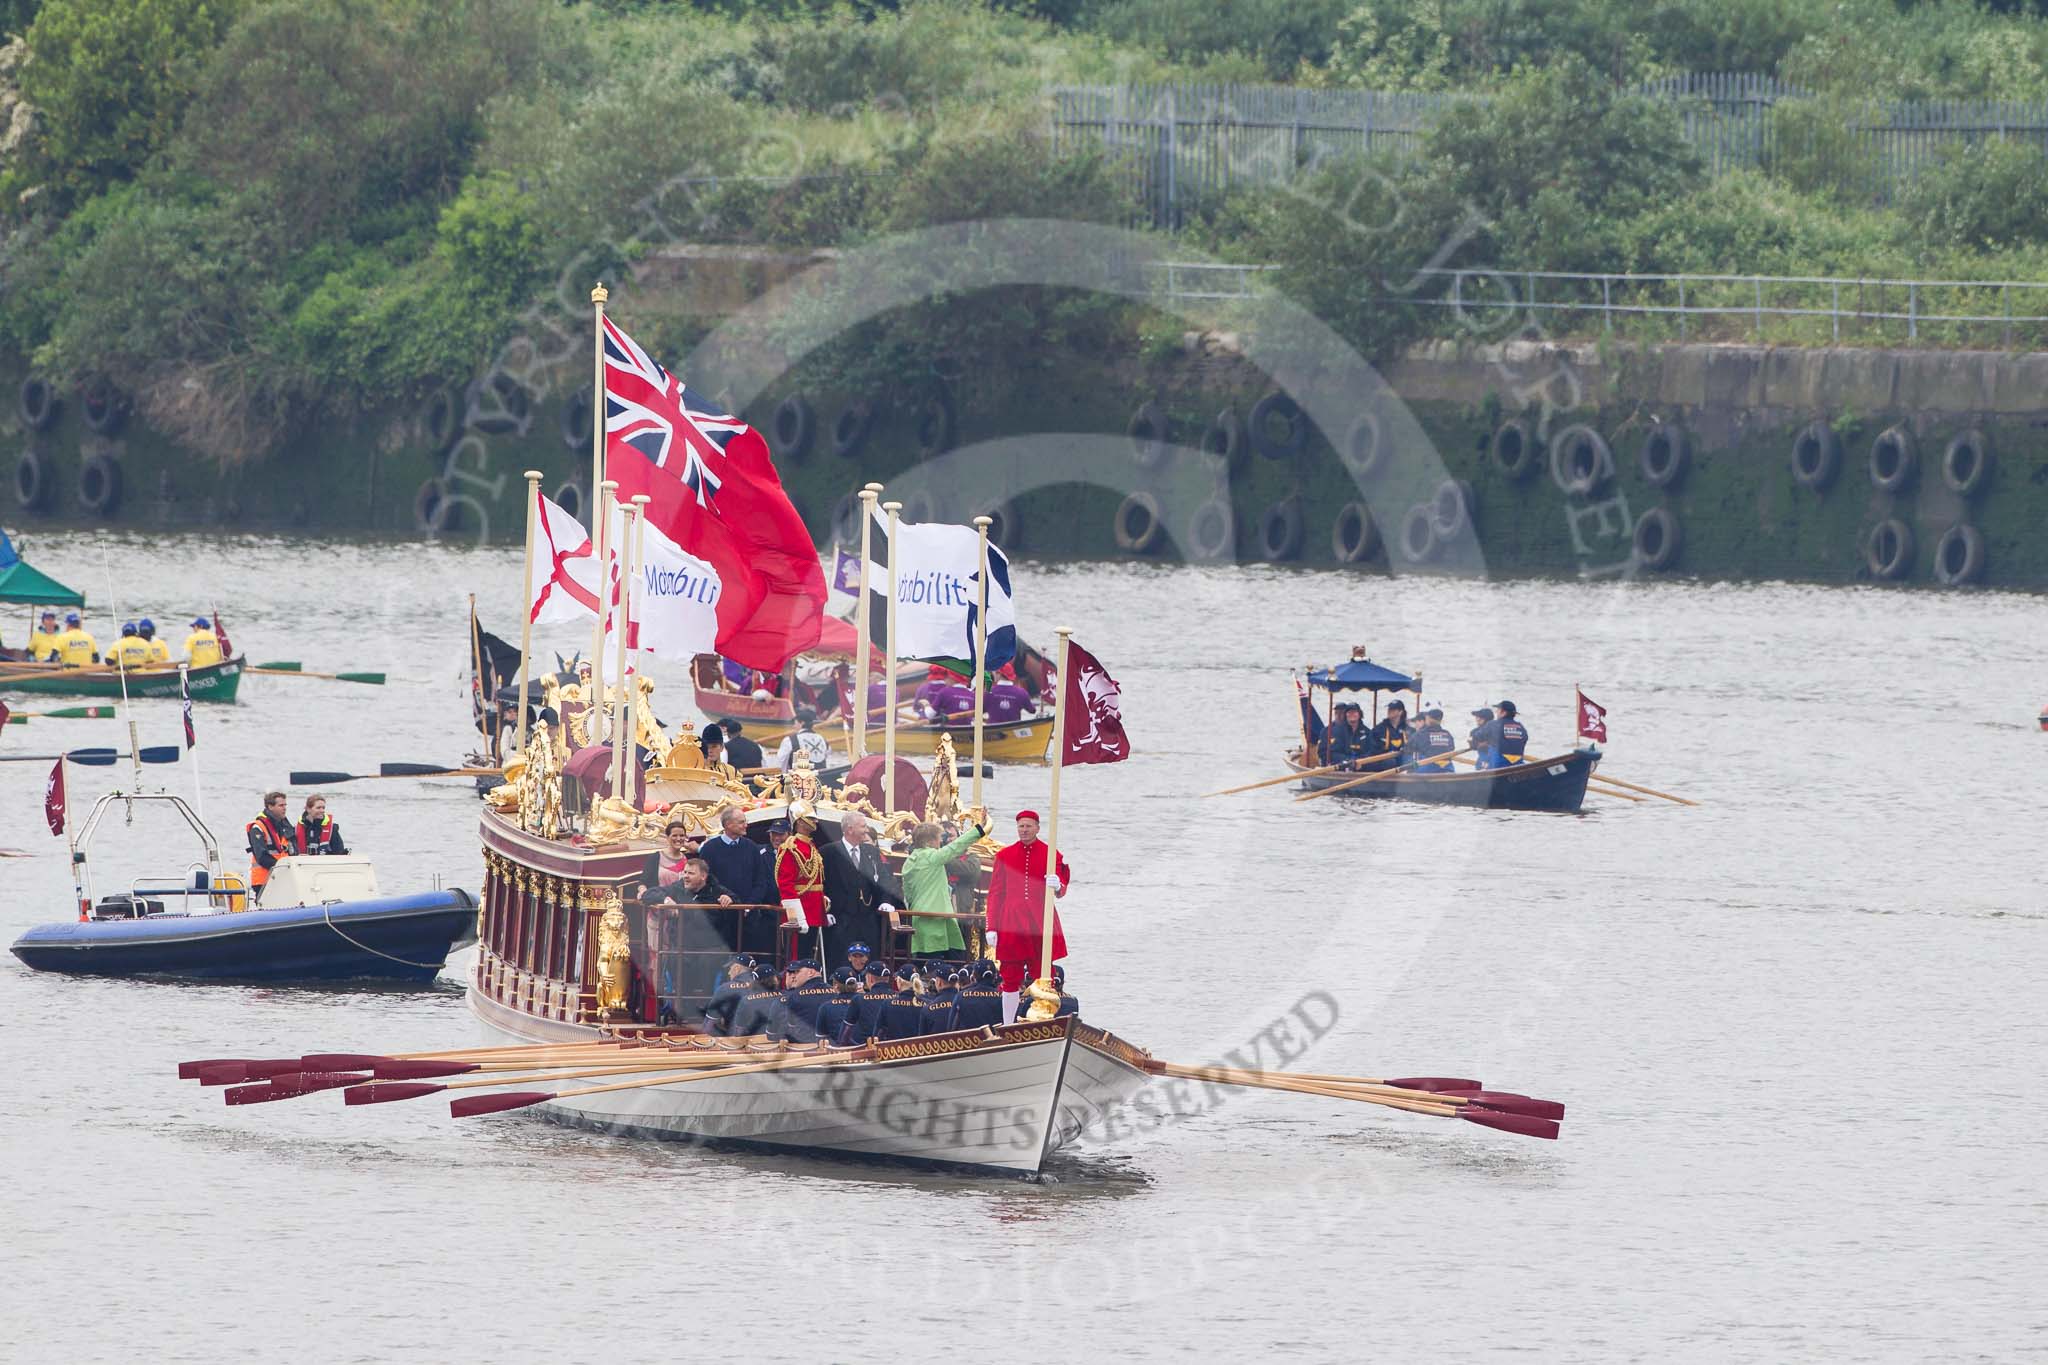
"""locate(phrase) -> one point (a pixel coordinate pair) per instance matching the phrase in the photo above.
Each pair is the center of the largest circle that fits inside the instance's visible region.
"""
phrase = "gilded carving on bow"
(614, 954)
(942, 798)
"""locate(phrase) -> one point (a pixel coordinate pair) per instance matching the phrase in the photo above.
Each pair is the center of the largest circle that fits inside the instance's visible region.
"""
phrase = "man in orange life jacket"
(272, 835)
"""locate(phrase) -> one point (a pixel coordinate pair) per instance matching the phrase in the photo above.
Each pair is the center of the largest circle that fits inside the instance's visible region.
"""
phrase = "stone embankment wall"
(1724, 462)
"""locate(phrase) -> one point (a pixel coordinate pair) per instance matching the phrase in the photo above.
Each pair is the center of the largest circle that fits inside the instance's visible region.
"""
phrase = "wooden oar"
(373, 679)
(63, 713)
(1618, 796)
(1310, 772)
(1506, 1102)
(1518, 1120)
(1647, 791)
(474, 1105)
(1376, 777)
(324, 779)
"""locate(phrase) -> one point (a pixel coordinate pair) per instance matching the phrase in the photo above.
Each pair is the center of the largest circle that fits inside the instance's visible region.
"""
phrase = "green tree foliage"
(1559, 160)
(1280, 35)
(1990, 196)
(112, 79)
(1350, 238)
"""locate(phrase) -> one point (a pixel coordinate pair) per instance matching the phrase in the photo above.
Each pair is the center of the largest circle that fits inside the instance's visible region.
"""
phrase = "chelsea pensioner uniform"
(1016, 911)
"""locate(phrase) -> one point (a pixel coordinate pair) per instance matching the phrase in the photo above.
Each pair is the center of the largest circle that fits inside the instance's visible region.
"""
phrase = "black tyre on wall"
(105, 410)
(1888, 550)
(1210, 530)
(1581, 462)
(1658, 538)
(442, 417)
(570, 496)
(1225, 438)
(1280, 531)
(794, 425)
(1418, 534)
(1665, 456)
(1364, 451)
(1138, 526)
(1894, 460)
(1816, 456)
(573, 421)
(850, 430)
(39, 403)
(1451, 509)
(1966, 463)
(1355, 537)
(1514, 449)
(32, 481)
(1005, 527)
(1278, 427)
(1959, 555)
(99, 485)
(433, 510)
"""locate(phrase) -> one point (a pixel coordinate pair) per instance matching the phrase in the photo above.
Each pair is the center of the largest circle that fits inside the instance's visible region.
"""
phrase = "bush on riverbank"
(306, 208)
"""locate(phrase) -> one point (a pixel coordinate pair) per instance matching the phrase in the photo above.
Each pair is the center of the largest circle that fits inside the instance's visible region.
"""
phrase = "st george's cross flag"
(938, 594)
(715, 496)
(1094, 712)
(1592, 719)
(563, 584)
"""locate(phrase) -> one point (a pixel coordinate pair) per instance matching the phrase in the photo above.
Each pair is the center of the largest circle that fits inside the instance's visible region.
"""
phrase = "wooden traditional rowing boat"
(566, 956)
(209, 682)
(1556, 784)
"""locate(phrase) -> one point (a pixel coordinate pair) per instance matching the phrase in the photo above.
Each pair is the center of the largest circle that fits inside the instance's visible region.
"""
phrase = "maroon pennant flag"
(1094, 707)
(1592, 719)
(53, 799)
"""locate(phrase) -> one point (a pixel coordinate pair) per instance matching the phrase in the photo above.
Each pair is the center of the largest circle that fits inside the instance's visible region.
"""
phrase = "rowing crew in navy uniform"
(1430, 750)
(1500, 741)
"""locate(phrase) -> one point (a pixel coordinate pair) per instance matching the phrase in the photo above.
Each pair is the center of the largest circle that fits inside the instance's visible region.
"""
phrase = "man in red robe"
(800, 876)
(1016, 910)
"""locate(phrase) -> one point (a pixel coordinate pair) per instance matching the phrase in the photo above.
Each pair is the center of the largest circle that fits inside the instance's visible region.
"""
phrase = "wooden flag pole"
(981, 525)
(607, 501)
(622, 718)
(1052, 811)
(485, 718)
(596, 511)
(533, 478)
(864, 625)
(889, 689)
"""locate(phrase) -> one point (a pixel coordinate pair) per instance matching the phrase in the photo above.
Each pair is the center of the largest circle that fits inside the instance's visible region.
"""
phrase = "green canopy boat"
(21, 583)
(210, 682)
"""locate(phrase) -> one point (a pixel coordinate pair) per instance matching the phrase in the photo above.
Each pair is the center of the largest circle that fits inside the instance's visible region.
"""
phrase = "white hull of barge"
(1001, 1099)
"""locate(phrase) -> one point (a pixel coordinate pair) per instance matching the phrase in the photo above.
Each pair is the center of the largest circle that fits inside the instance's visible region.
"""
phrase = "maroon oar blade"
(1509, 1123)
(295, 1083)
(386, 1091)
(341, 1061)
(1507, 1102)
(263, 1069)
(1435, 1083)
(190, 1071)
(469, 1106)
(223, 1073)
(415, 1071)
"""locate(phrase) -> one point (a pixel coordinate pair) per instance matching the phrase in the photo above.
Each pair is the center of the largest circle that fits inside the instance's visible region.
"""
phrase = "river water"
(1800, 1027)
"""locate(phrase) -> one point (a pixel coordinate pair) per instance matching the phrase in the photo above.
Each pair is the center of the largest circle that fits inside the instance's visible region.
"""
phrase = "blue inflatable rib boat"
(319, 918)
(392, 938)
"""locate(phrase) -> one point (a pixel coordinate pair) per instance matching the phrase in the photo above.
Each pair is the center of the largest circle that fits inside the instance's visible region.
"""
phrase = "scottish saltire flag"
(938, 595)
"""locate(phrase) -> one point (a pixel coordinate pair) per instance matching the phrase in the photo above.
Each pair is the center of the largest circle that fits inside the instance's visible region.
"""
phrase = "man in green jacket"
(927, 892)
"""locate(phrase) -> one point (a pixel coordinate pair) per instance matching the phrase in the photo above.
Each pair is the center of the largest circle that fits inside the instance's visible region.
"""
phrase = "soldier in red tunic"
(1016, 910)
(800, 876)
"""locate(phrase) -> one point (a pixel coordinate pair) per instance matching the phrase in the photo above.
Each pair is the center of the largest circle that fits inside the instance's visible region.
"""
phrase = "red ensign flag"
(1592, 719)
(53, 799)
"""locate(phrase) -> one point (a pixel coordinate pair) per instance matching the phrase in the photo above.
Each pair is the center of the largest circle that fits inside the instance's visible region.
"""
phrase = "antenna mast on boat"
(121, 667)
